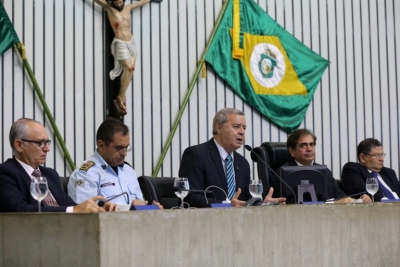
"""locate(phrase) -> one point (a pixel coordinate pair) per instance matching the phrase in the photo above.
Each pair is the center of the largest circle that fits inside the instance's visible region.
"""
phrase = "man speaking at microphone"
(106, 173)
(215, 165)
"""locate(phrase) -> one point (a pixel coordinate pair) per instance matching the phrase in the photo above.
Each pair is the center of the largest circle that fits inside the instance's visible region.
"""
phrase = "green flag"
(264, 64)
(8, 36)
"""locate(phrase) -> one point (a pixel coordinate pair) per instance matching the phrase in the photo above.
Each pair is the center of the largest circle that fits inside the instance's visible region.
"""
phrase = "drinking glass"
(181, 184)
(39, 189)
(372, 187)
(256, 188)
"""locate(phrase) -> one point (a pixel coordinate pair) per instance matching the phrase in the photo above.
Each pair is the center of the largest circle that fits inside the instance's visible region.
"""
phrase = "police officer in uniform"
(106, 173)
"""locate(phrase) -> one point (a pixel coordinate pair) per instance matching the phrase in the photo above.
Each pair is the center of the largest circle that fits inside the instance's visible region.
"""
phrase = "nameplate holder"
(221, 205)
(146, 207)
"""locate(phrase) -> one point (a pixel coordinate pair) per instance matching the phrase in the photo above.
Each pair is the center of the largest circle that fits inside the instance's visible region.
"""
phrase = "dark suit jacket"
(354, 177)
(333, 190)
(15, 193)
(202, 165)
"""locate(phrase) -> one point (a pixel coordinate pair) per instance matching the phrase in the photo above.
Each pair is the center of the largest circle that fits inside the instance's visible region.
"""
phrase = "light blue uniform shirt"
(96, 178)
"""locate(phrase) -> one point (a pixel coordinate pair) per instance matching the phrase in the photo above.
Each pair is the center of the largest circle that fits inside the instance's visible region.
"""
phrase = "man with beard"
(215, 165)
(123, 47)
(106, 173)
(301, 146)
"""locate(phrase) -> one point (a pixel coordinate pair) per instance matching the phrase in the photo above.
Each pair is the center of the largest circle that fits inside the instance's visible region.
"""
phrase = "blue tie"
(387, 193)
(230, 177)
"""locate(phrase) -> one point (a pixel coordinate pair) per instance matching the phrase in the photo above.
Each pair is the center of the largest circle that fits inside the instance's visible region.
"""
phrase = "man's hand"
(139, 202)
(344, 200)
(89, 205)
(365, 198)
(108, 206)
(269, 199)
(235, 201)
(158, 204)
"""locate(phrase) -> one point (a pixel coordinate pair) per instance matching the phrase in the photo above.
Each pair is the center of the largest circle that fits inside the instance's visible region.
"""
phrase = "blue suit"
(202, 165)
(15, 193)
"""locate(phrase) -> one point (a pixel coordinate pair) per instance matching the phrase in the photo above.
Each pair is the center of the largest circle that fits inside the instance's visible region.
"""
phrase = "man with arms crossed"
(205, 165)
(123, 47)
(301, 146)
(371, 159)
(106, 173)
(30, 144)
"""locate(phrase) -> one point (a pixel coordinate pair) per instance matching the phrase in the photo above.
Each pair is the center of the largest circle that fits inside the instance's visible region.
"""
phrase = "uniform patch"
(86, 166)
(79, 182)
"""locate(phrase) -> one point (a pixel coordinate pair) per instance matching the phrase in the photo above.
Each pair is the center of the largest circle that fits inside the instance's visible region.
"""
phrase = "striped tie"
(49, 201)
(386, 191)
(230, 177)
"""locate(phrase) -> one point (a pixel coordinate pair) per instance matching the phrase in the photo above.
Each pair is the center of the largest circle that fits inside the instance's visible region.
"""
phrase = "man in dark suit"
(206, 165)
(301, 146)
(371, 160)
(30, 144)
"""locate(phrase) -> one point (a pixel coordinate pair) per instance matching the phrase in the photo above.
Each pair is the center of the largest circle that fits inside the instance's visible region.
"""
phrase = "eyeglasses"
(40, 144)
(120, 149)
(377, 156)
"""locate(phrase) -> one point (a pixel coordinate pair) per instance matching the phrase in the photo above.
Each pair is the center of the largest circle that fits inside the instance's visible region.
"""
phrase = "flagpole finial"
(22, 51)
(203, 68)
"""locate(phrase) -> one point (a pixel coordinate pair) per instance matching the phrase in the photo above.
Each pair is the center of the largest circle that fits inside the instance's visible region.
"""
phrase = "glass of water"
(256, 188)
(39, 189)
(372, 187)
(181, 184)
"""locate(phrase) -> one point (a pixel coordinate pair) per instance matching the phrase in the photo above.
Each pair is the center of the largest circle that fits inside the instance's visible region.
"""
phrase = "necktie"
(385, 190)
(230, 177)
(49, 201)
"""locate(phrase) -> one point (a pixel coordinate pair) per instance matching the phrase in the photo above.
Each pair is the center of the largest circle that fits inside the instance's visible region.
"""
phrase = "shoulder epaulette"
(87, 165)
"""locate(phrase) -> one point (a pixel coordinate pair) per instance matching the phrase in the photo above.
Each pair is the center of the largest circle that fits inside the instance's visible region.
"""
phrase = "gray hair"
(222, 116)
(18, 130)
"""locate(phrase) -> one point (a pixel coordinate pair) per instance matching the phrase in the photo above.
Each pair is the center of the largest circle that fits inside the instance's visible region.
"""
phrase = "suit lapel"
(216, 158)
(27, 178)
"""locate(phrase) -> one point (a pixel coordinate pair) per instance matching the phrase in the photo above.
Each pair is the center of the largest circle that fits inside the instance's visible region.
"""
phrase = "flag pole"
(189, 92)
(21, 49)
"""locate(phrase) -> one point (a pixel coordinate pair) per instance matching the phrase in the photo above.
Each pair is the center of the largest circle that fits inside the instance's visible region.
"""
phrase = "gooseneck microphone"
(249, 148)
(176, 189)
(102, 202)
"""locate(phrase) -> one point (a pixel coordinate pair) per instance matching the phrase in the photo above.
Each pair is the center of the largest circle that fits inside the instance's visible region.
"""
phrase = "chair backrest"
(274, 154)
(64, 183)
(159, 189)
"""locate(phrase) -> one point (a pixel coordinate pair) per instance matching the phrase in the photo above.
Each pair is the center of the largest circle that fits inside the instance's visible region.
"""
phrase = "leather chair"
(274, 154)
(64, 183)
(159, 189)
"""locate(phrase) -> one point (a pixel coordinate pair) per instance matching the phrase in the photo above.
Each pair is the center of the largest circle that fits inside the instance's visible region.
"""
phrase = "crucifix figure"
(123, 47)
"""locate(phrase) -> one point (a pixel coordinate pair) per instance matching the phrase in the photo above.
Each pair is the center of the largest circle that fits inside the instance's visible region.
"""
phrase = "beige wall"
(292, 235)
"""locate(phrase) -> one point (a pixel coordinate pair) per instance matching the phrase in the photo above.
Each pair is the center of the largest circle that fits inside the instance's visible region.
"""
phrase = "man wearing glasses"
(30, 144)
(106, 173)
(371, 159)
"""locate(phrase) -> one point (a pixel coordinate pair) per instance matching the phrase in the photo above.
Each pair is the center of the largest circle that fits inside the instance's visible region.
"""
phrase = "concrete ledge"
(292, 235)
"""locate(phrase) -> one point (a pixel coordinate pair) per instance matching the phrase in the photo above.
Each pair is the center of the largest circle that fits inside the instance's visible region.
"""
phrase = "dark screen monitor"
(297, 175)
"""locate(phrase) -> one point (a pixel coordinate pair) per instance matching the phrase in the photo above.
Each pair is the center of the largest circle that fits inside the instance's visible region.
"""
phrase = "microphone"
(249, 148)
(102, 202)
(176, 189)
